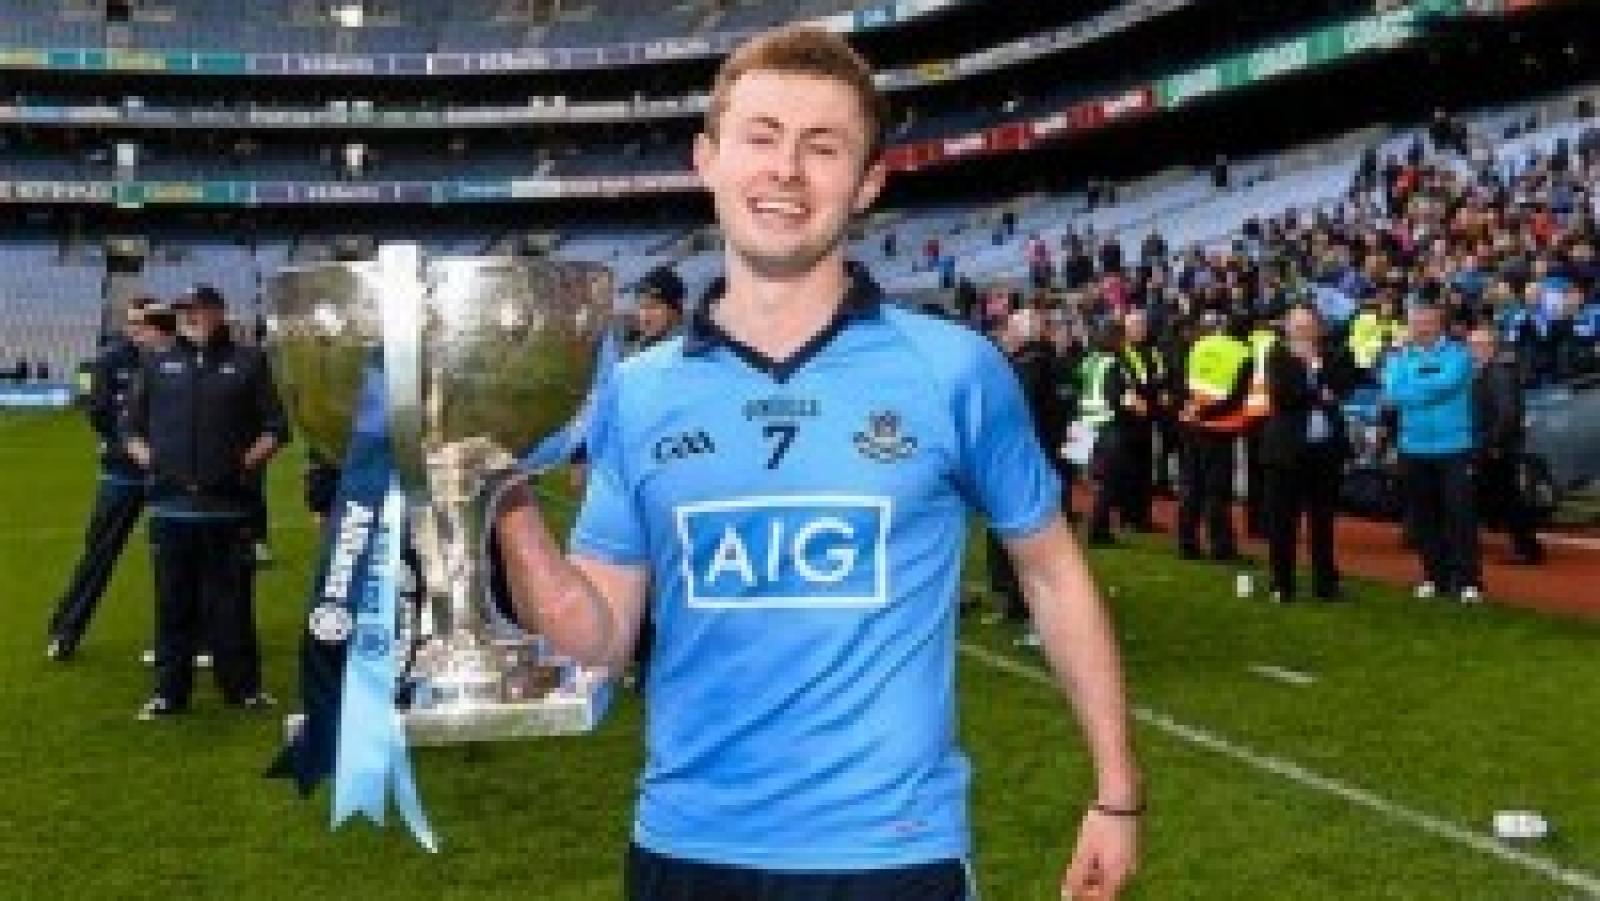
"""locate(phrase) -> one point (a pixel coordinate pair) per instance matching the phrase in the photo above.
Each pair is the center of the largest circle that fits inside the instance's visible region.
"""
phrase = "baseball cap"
(200, 296)
(664, 286)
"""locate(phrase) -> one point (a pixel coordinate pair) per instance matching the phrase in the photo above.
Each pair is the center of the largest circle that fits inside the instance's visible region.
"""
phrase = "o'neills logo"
(353, 529)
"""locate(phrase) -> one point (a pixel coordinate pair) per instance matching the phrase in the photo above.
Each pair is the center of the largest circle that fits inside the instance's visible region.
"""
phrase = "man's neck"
(777, 316)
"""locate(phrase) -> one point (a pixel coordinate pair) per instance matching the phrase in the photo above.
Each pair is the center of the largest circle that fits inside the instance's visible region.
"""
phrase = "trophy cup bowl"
(483, 358)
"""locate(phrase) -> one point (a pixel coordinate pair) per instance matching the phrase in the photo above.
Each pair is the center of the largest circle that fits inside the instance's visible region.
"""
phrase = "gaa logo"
(680, 447)
(786, 551)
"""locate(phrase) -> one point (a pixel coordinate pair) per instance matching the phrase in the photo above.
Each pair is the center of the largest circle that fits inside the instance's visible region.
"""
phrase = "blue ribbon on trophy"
(347, 671)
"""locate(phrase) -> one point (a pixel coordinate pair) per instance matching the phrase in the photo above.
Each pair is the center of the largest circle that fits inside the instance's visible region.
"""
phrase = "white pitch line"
(1432, 825)
(1281, 674)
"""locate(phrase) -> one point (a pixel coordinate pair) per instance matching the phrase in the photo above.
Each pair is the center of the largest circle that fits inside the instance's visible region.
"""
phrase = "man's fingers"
(1083, 877)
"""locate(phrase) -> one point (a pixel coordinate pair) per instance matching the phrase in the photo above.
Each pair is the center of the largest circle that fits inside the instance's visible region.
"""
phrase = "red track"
(1567, 583)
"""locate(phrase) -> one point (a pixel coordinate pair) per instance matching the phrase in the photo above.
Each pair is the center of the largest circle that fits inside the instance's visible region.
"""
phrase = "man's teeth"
(780, 207)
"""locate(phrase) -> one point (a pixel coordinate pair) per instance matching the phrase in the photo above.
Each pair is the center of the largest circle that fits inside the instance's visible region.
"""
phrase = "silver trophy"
(483, 358)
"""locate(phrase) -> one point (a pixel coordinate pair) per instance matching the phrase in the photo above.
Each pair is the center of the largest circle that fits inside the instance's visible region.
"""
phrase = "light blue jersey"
(803, 525)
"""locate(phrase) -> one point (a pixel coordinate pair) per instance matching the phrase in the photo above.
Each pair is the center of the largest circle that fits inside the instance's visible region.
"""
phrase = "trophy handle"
(403, 295)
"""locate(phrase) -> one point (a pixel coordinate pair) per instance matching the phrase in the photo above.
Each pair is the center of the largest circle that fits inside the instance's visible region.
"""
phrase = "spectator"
(1303, 448)
(1429, 384)
(1497, 437)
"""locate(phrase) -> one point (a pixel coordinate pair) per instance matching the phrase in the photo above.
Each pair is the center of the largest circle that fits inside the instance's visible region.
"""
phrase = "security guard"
(203, 418)
(1132, 388)
(120, 498)
(1218, 372)
(1371, 332)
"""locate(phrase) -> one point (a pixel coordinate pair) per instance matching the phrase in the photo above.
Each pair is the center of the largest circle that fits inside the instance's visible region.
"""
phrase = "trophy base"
(567, 711)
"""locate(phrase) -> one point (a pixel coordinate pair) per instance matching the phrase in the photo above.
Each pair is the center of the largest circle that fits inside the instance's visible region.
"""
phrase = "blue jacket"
(1431, 388)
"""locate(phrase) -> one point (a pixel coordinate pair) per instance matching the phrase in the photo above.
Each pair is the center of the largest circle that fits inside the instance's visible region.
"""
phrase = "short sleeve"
(1004, 472)
(609, 526)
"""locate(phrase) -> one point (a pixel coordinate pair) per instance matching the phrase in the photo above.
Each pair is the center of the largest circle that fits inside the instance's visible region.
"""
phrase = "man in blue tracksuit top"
(203, 419)
(119, 498)
(787, 485)
(1429, 382)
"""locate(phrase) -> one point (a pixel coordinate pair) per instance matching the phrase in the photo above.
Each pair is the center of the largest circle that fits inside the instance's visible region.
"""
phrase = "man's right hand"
(139, 453)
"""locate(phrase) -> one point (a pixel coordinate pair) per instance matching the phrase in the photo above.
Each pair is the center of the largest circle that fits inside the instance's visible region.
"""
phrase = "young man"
(786, 485)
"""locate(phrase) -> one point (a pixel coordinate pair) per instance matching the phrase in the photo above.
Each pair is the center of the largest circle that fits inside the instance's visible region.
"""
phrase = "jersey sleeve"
(1004, 472)
(609, 526)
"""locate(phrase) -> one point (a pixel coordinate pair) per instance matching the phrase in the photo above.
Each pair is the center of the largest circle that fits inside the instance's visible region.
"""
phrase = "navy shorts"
(656, 877)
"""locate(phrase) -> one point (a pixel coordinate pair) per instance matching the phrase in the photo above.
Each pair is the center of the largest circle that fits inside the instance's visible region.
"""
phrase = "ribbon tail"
(406, 797)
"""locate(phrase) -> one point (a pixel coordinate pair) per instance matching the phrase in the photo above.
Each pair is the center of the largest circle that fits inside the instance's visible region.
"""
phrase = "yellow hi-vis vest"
(1094, 410)
(1369, 335)
(1214, 364)
(1258, 403)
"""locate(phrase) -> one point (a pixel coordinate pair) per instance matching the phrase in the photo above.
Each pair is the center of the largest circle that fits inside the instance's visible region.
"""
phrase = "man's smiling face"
(787, 167)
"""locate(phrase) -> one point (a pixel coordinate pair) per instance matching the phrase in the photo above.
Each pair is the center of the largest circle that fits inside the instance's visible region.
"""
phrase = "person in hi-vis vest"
(1218, 373)
(1130, 386)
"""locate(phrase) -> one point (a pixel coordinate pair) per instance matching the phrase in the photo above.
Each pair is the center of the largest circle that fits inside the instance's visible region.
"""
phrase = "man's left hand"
(1104, 859)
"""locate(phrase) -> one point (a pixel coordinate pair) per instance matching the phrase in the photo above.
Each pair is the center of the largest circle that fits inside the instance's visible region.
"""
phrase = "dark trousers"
(1309, 489)
(1167, 454)
(656, 877)
(1255, 485)
(258, 504)
(1123, 457)
(1003, 579)
(117, 507)
(1501, 503)
(204, 595)
(1206, 493)
(1440, 494)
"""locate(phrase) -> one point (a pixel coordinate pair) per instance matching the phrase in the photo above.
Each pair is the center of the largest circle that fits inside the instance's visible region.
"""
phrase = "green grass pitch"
(1449, 712)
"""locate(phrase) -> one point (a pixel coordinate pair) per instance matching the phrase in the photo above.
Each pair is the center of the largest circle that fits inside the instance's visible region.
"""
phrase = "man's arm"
(135, 417)
(590, 609)
(1076, 637)
(274, 423)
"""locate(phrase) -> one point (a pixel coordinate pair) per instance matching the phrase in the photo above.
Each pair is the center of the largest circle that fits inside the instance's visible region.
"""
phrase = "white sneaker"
(1471, 595)
(1425, 591)
(148, 658)
(1028, 639)
(202, 661)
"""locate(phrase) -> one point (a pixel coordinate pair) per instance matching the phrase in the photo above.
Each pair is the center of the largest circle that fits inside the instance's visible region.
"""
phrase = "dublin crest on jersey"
(883, 441)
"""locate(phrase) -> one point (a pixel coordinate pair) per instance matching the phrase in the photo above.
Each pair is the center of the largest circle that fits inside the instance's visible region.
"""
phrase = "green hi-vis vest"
(1094, 410)
(1369, 335)
(1214, 363)
(1136, 364)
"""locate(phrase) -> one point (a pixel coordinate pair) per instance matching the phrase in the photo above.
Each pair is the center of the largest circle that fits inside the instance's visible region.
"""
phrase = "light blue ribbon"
(372, 741)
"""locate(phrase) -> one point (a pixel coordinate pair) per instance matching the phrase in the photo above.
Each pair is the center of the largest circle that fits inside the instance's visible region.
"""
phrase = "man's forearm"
(1076, 636)
(552, 596)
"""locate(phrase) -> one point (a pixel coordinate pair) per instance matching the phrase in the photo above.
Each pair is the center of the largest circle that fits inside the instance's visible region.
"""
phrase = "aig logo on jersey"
(796, 551)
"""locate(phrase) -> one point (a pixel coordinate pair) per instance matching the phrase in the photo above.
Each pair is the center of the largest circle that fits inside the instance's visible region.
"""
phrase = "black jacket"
(1037, 368)
(1123, 380)
(199, 409)
(1497, 409)
(111, 376)
(1295, 392)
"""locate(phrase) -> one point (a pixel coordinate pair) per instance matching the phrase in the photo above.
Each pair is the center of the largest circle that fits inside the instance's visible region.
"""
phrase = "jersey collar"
(863, 301)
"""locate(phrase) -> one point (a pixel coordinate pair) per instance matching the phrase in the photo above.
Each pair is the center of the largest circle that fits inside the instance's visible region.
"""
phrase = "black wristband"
(1108, 810)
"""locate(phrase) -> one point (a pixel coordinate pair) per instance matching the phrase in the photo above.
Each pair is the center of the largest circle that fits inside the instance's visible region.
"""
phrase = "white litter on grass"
(1586, 883)
(1281, 674)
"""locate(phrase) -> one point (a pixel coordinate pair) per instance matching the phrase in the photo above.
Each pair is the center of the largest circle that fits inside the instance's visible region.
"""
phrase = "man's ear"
(871, 186)
(705, 148)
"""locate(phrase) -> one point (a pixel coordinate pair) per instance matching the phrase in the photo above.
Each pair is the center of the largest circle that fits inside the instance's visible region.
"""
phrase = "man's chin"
(783, 264)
